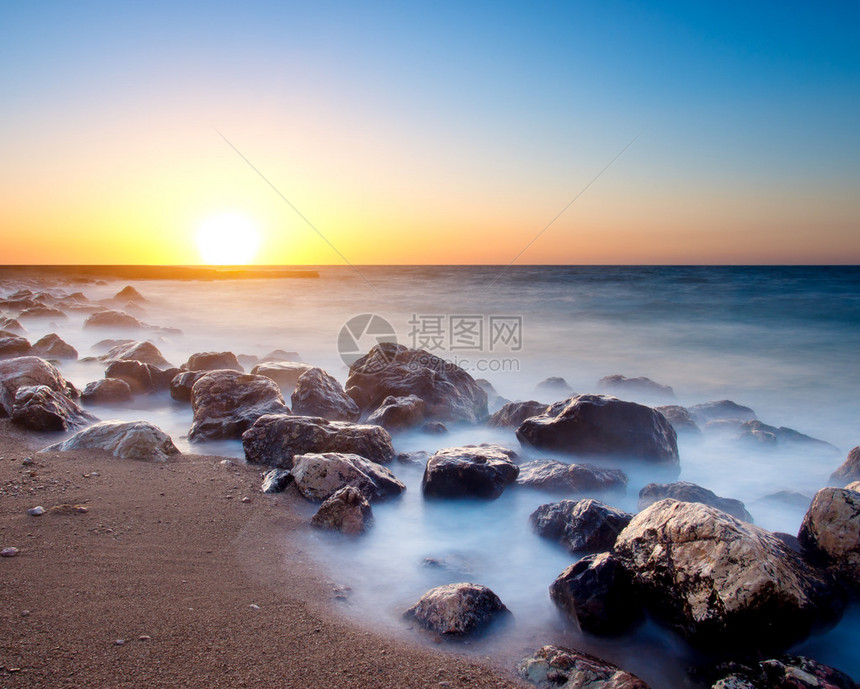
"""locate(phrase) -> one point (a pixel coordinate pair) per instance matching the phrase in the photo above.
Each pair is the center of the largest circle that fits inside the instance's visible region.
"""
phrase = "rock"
(42, 312)
(36, 511)
(39, 408)
(723, 410)
(601, 425)
(785, 672)
(143, 351)
(581, 526)
(723, 583)
(285, 373)
(513, 414)
(53, 347)
(641, 386)
(680, 419)
(399, 413)
(854, 485)
(112, 319)
(319, 394)
(274, 440)
(434, 428)
(276, 481)
(281, 356)
(389, 369)
(468, 472)
(128, 293)
(139, 440)
(107, 391)
(212, 361)
(598, 594)
(181, 384)
(106, 344)
(830, 533)
(558, 477)
(457, 609)
(761, 433)
(12, 326)
(850, 469)
(494, 400)
(27, 371)
(690, 492)
(555, 387)
(142, 378)
(346, 510)
(790, 540)
(13, 346)
(320, 475)
(10, 551)
(554, 666)
(788, 497)
(226, 403)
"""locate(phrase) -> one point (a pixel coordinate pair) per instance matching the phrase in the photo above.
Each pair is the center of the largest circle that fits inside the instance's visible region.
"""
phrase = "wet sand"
(169, 579)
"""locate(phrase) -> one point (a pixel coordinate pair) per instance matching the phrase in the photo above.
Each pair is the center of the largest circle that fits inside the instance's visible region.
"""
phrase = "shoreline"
(168, 559)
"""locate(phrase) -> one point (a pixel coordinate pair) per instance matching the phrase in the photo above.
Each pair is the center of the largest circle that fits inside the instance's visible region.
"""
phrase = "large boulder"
(319, 475)
(319, 394)
(212, 361)
(285, 373)
(346, 510)
(720, 410)
(830, 533)
(226, 403)
(389, 369)
(116, 320)
(581, 526)
(137, 350)
(457, 609)
(602, 425)
(635, 386)
(52, 346)
(12, 346)
(139, 440)
(399, 413)
(723, 583)
(850, 469)
(559, 477)
(107, 391)
(39, 408)
(567, 668)
(598, 594)
(513, 414)
(27, 371)
(691, 492)
(468, 472)
(274, 440)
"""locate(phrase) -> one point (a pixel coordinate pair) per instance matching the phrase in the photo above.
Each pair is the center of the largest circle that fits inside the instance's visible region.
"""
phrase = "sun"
(228, 239)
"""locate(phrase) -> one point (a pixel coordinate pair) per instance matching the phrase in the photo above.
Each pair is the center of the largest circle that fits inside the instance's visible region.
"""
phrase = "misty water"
(783, 341)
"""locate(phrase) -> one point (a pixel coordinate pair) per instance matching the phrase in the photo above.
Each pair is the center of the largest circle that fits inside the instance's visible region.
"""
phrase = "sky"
(430, 133)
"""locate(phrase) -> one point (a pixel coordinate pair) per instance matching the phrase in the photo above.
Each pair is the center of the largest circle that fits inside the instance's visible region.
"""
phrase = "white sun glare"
(228, 239)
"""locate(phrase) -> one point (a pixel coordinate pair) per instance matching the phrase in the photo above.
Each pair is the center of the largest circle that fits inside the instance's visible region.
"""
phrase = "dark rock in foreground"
(52, 346)
(722, 410)
(581, 526)
(27, 371)
(785, 672)
(320, 475)
(399, 413)
(276, 480)
(138, 440)
(346, 510)
(691, 492)
(456, 609)
(107, 391)
(559, 477)
(850, 469)
(724, 584)
(275, 439)
(641, 386)
(567, 668)
(513, 414)
(319, 394)
(212, 361)
(830, 533)
(601, 425)
(464, 472)
(39, 408)
(449, 392)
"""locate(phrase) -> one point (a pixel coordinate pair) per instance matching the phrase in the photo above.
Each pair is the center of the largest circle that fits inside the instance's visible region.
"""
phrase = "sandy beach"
(170, 579)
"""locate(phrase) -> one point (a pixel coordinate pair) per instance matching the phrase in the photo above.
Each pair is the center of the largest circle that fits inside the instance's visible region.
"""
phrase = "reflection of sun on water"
(228, 239)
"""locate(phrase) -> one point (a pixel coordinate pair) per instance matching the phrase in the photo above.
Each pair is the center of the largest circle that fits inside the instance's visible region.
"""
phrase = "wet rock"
(129, 293)
(346, 510)
(785, 672)
(52, 346)
(320, 475)
(181, 384)
(142, 378)
(598, 594)
(830, 533)
(559, 477)
(28, 371)
(680, 419)
(39, 408)
(399, 413)
(107, 391)
(41, 312)
(10, 325)
(724, 584)
(434, 428)
(274, 440)
(690, 492)
(449, 392)
(276, 481)
(226, 403)
(138, 440)
(555, 387)
(635, 386)
(762, 434)
(143, 351)
(319, 394)
(722, 410)
(13, 346)
(601, 425)
(513, 414)
(468, 472)
(581, 526)
(212, 361)
(850, 469)
(554, 666)
(112, 319)
(285, 373)
(457, 609)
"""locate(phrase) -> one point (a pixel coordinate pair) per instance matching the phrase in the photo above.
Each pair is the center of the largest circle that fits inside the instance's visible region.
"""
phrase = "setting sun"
(228, 239)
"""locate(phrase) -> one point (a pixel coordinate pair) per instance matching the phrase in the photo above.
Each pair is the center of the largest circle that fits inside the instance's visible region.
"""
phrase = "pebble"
(119, 642)
(25, 613)
(254, 606)
(27, 461)
(246, 499)
(36, 511)
(11, 551)
(144, 637)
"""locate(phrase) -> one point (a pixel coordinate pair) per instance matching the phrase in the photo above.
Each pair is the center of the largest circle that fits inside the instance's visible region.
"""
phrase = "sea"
(781, 340)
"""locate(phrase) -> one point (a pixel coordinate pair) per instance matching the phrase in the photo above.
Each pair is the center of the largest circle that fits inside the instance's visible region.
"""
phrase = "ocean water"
(782, 340)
